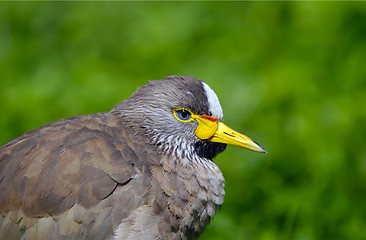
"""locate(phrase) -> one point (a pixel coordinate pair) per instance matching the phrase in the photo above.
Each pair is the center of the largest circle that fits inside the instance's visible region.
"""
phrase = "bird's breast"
(183, 198)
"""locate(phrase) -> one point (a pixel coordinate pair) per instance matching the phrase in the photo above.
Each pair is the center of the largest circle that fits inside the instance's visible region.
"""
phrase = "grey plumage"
(132, 173)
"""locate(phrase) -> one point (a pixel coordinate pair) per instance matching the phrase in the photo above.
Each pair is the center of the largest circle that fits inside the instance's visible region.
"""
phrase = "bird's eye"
(182, 115)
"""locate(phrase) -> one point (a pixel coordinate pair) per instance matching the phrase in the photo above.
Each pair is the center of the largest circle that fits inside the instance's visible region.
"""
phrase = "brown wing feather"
(59, 180)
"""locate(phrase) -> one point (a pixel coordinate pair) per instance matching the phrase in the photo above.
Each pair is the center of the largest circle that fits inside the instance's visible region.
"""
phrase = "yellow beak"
(212, 130)
(224, 134)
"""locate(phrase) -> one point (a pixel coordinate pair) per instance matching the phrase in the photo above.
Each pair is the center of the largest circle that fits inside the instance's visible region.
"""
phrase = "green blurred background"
(291, 75)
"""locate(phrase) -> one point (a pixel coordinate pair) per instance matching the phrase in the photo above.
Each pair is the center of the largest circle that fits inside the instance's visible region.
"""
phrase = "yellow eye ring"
(183, 115)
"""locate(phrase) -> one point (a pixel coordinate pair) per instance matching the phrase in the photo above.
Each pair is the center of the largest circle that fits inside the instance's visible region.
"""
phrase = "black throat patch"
(209, 150)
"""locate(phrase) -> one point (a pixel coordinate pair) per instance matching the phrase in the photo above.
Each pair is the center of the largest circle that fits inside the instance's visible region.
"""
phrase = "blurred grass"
(291, 75)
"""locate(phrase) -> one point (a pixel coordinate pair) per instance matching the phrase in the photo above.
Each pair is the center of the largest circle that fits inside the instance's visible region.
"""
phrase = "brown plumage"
(139, 171)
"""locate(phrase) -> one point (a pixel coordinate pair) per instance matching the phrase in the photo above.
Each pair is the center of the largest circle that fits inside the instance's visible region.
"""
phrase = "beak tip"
(261, 149)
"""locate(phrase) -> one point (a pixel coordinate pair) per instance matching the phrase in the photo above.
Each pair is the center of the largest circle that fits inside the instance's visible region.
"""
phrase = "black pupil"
(183, 114)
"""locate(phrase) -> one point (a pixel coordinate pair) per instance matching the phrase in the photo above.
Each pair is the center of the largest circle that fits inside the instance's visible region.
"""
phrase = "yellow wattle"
(206, 128)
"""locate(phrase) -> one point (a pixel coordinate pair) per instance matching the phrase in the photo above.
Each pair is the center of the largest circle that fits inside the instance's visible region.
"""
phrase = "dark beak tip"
(263, 150)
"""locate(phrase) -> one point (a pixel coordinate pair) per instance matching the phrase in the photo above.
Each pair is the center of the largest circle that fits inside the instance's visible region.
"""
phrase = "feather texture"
(132, 173)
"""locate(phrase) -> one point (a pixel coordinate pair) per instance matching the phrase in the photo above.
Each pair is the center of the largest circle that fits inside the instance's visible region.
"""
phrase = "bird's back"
(61, 180)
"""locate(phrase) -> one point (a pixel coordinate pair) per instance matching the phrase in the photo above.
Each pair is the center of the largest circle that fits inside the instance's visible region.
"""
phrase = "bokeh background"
(291, 75)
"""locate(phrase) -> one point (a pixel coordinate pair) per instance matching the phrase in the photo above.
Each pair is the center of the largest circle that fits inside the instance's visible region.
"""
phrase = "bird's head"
(181, 115)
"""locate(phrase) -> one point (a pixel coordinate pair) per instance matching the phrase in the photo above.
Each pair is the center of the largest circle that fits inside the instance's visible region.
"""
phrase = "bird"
(143, 170)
